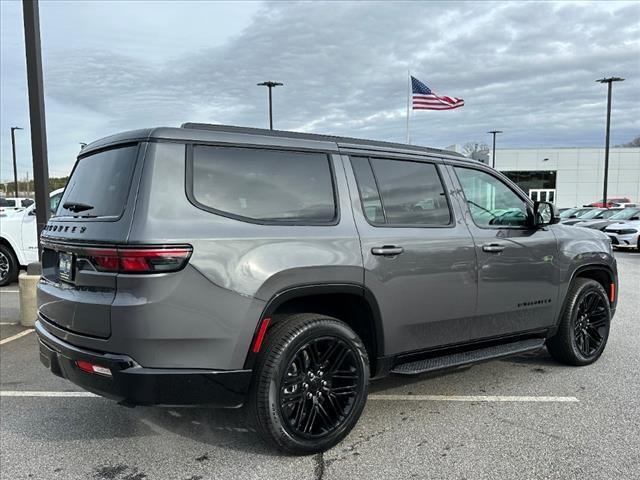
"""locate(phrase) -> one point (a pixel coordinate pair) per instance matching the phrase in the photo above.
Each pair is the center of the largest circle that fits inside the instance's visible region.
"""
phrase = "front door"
(419, 262)
(518, 273)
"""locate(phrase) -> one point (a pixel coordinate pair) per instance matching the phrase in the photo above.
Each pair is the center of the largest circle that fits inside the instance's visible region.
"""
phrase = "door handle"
(387, 250)
(492, 248)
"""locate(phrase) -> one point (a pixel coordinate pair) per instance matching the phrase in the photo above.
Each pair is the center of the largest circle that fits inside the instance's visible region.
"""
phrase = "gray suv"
(216, 265)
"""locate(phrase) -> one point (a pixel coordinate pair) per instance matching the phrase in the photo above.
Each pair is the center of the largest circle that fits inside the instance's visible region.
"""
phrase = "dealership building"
(571, 176)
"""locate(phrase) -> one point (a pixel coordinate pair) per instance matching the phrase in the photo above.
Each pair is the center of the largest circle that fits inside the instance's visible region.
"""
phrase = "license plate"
(65, 266)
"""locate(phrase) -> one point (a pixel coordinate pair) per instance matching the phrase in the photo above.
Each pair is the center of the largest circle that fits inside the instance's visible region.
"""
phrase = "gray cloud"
(527, 68)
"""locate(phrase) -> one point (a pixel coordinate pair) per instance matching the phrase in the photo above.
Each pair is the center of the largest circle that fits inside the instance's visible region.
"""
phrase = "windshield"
(568, 213)
(626, 214)
(593, 214)
(99, 184)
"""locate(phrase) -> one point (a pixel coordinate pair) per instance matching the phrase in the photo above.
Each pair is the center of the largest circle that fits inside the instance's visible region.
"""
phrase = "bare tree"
(633, 143)
(474, 149)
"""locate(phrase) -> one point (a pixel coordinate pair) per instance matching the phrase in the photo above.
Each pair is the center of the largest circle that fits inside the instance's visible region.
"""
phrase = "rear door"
(518, 270)
(419, 262)
(94, 212)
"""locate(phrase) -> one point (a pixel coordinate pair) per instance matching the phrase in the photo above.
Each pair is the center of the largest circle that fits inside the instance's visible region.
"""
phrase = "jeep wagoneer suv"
(215, 265)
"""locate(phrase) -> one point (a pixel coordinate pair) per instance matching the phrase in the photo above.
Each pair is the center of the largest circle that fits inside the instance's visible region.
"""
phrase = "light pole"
(15, 165)
(493, 151)
(270, 84)
(609, 81)
(35, 87)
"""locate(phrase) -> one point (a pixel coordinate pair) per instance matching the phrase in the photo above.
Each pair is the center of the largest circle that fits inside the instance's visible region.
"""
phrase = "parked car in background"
(609, 203)
(574, 213)
(18, 239)
(221, 265)
(625, 205)
(620, 215)
(624, 234)
(595, 213)
(13, 204)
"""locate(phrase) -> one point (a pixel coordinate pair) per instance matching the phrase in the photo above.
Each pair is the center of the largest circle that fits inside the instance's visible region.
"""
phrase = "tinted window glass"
(26, 202)
(7, 203)
(491, 202)
(266, 185)
(101, 182)
(54, 201)
(371, 203)
(412, 193)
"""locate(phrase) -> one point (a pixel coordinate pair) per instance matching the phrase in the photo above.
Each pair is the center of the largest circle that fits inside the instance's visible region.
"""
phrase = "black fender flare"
(308, 290)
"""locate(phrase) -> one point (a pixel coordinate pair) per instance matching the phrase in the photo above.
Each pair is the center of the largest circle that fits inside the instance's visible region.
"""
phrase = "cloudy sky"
(526, 68)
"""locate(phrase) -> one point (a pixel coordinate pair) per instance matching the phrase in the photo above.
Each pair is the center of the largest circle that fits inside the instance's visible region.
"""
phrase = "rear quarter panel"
(236, 266)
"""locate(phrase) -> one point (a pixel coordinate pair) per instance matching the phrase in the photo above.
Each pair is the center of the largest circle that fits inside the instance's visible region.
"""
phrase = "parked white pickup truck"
(18, 239)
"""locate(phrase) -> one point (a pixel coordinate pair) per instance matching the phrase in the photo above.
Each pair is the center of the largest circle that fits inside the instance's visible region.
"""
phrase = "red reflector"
(612, 293)
(89, 367)
(261, 333)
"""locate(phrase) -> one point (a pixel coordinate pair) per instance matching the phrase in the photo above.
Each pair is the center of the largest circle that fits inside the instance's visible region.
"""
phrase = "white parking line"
(26, 393)
(8, 323)
(16, 336)
(470, 398)
(412, 398)
(9, 291)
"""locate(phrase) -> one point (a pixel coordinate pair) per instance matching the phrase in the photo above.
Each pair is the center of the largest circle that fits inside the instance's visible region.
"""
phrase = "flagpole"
(408, 104)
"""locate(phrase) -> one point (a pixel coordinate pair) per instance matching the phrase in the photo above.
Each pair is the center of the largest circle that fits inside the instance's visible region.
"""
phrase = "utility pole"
(493, 151)
(36, 113)
(270, 84)
(608, 81)
(15, 165)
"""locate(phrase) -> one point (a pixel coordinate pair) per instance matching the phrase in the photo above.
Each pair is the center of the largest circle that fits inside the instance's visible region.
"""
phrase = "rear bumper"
(132, 384)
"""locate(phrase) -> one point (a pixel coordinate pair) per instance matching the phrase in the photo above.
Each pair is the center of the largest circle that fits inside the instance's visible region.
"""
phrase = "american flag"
(425, 99)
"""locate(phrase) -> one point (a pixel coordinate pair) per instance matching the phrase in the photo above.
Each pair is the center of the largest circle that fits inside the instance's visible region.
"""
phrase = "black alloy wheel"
(319, 387)
(310, 383)
(584, 325)
(591, 323)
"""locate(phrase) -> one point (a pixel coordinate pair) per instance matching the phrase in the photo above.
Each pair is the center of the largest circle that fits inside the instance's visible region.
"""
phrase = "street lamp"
(609, 81)
(15, 165)
(493, 152)
(270, 84)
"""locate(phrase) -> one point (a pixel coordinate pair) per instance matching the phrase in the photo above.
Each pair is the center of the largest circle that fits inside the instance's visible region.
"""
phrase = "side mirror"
(545, 213)
(32, 213)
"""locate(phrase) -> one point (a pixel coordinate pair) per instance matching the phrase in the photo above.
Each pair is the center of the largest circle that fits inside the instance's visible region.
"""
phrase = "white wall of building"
(580, 171)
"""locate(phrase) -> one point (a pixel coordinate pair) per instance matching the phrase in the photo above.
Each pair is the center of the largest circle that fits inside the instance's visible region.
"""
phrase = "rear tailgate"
(95, 211)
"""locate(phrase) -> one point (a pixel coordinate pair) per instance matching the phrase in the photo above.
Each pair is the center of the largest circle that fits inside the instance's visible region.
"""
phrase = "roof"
(233, 134)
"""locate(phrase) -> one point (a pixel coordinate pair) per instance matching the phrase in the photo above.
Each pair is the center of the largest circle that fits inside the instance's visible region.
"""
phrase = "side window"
(406, 192)
(264, 185)
(371, 203)
(54, 201)
(491, 202)
(26, 202)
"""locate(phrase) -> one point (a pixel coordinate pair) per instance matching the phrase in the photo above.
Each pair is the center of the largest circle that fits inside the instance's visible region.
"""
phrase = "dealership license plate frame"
(65, 266)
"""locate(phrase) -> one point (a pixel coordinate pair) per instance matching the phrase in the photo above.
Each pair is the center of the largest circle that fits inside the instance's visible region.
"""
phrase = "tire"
(9, 267)
(286, 391)
(584, 327)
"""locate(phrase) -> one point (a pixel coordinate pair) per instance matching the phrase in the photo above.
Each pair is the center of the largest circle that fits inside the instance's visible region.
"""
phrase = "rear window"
(99, 184)
(264, 185)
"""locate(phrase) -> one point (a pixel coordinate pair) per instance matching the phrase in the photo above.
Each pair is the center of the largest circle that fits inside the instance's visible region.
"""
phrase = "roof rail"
(341, 141)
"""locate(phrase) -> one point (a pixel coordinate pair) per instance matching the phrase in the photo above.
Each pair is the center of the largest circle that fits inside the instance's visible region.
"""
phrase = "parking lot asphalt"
(568, 423)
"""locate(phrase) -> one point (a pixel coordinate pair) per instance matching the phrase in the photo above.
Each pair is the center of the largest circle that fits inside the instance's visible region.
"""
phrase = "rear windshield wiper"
(77, 206)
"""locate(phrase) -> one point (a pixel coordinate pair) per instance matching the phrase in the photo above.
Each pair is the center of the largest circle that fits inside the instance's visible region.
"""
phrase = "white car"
(13, 204)
(18, 239)
(624, 234)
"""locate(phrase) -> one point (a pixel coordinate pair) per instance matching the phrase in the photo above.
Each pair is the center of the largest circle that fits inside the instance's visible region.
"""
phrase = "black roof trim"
(342, 142)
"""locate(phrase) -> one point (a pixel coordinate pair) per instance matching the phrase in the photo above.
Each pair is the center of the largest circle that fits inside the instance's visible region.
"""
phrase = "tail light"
(139, 260)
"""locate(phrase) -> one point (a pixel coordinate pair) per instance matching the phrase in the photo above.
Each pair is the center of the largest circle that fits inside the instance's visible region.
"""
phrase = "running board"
(467, 358)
